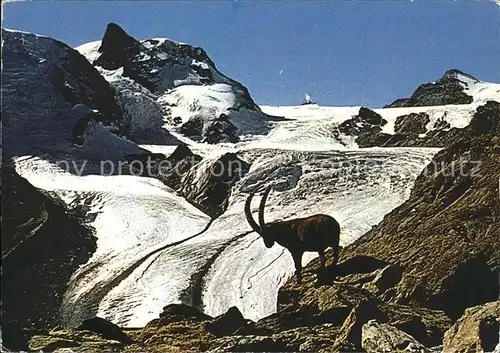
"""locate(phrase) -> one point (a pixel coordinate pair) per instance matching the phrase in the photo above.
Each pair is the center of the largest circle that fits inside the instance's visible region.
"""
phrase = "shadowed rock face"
(177, 165)
(58, 81)
(413, 123)
(42, 245)
(367, 121)
(447, 90)
(208, 185)
(476, 331)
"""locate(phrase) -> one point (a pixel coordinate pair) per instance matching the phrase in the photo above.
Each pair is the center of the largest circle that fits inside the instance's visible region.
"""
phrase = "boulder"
(179, 312)
(227, 323)
(379, 338)
(476, 331)
(386, 278)
(105, 329)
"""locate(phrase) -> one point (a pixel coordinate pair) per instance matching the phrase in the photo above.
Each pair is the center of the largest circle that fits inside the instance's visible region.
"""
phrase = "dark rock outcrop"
(476, 331)
(105, 329)
(177, 165)
(227, 323)
(447, 90)
(366, 121)
(413, 123)
(377, 338)
(211, 131)
(177, 313)
(220, 130)
(208, 185)
(408, 128)
(42, 245)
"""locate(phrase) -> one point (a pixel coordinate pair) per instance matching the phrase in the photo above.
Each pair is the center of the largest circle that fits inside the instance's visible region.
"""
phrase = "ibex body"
(313, 233)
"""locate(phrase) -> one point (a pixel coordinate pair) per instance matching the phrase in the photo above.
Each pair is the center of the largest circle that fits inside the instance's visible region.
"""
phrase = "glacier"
(152, 244)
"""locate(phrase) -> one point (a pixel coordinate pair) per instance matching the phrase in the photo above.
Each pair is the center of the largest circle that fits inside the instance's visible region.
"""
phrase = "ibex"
(313, 233)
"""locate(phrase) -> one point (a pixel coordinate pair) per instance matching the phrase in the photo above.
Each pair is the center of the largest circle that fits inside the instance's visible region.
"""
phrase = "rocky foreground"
(424, 279)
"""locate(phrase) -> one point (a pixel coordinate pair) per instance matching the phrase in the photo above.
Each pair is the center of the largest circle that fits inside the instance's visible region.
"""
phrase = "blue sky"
(341, 52)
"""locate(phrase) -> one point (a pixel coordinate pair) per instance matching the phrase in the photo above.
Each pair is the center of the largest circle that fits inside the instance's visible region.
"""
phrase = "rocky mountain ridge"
(449, 89)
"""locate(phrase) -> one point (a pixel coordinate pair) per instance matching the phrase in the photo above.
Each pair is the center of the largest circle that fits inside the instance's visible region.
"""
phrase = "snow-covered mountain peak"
(184, 82)
(455, 87)
(157, 64)
(459, 75)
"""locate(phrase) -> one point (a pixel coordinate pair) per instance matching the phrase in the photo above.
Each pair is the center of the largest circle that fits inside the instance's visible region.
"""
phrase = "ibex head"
(265, 230)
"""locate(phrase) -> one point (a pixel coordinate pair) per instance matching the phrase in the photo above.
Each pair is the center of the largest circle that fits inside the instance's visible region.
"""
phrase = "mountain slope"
(42, 245)
(452, 218)
(54, 101)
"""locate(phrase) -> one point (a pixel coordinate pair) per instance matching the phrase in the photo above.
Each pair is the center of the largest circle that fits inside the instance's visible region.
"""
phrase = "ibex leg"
(297, 259)
(322, 258)
(335, 254)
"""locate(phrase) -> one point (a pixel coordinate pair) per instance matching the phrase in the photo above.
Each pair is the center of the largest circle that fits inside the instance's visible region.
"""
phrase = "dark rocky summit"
(156, 69)
(139, 59)
(42, 245)
(447, 90)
